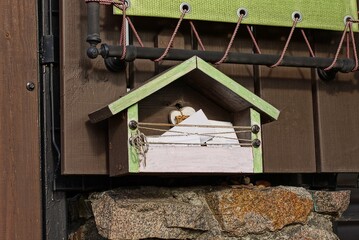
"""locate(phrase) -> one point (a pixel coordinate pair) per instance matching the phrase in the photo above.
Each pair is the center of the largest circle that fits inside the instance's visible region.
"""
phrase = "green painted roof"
(200, 75)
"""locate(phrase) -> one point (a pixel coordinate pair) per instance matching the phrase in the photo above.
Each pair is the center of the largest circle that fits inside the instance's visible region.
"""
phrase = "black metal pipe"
(93, 28)
(132, 53)
(93, 23)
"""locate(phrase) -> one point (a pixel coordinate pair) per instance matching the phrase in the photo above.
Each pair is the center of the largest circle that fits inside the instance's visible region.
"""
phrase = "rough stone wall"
(223, 213)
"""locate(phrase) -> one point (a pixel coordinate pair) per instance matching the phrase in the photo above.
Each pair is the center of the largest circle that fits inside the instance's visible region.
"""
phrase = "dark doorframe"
(54, 202)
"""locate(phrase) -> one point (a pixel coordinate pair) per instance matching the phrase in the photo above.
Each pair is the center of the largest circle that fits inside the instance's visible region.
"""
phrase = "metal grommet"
(297, 15)
(185, 7)
(242, 11)
(347, 18)
(128, 4)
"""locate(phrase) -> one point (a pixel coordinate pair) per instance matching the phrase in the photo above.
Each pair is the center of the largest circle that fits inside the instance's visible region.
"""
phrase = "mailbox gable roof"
(200, 75)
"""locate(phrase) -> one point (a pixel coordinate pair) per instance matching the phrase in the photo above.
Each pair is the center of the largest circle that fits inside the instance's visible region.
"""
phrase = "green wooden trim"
(318, 14)
(153, 85)
(134, 162)
(257, 152)
(244, 93)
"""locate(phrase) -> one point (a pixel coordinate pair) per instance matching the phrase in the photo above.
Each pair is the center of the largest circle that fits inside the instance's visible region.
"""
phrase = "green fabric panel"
(318, 14)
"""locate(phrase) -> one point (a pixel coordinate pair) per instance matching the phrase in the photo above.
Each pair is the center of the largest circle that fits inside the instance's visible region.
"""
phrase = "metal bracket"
(47, 52)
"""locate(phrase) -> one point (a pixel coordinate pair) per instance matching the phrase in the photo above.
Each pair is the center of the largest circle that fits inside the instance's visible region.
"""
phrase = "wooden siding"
(338, 114)
(86, 85)
(288, 143)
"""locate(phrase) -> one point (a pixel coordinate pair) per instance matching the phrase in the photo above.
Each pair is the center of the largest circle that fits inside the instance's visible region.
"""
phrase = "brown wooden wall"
(289, 144)
(337, 105)
(317, 119)
(20, 190)
(86, 85)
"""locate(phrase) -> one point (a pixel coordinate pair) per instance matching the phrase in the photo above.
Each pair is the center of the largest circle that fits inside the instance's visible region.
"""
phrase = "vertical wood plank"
(20, 189)
(288, 143)
(144, 69)
(338, 112)
(86, 85)
(118, 141)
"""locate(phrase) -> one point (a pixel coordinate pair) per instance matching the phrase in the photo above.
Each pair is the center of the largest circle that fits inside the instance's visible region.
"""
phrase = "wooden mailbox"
(138, 115)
